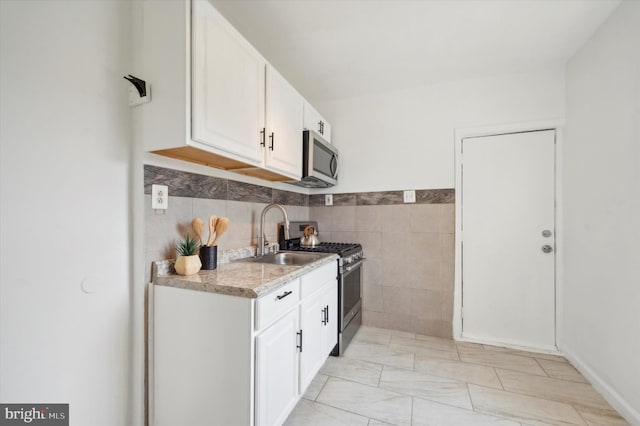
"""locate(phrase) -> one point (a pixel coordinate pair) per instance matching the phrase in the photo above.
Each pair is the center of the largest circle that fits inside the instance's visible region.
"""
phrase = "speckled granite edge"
(250, 280)
(165, 267)
(298, 272)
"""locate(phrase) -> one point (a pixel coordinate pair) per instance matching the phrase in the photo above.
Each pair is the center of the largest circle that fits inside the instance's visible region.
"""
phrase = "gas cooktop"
(296, 231)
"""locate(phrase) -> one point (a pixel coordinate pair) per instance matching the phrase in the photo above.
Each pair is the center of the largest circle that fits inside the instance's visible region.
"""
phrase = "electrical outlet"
(328, 199)
(409, 196)
(159, 197)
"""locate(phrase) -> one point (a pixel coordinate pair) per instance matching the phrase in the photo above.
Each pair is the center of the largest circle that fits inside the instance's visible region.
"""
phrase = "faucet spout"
(260, 250)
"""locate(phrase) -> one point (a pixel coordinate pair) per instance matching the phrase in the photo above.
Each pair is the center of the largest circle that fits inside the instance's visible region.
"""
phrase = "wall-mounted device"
(319, 162)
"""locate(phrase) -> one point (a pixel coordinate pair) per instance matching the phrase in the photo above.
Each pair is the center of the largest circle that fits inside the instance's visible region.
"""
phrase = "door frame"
(497, 129)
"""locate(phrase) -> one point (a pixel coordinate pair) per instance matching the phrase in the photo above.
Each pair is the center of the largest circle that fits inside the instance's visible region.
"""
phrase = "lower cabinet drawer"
(277, 302)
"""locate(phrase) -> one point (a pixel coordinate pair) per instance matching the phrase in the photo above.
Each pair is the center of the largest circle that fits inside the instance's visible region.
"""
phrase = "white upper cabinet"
(284, 126)
(227, 87)
(215, 99)
(314, 121)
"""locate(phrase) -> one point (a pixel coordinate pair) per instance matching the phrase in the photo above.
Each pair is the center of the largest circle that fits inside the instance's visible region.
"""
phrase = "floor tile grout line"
(399, 394)
(543, 369)
(411, 412)
(322, 388)
(342, 409)
(352, 412)
(473, 407)
(490, 366)
(503, 368)
(495, 371)
(570, 404)
(580, 414)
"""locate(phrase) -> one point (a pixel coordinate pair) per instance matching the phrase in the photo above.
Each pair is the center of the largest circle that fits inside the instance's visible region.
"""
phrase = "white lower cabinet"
(318, 323)
(224, 360)
(277, 370)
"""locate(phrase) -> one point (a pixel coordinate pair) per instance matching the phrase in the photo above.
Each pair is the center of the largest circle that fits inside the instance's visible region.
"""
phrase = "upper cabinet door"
(314, 121)
(227, 86)
(284, 126)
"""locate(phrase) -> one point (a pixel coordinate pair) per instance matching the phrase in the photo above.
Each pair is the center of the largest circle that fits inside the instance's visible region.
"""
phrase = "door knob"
(547, 248)
(546, 233)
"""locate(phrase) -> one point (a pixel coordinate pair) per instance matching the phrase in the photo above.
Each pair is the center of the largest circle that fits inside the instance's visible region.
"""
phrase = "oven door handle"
(349, 268)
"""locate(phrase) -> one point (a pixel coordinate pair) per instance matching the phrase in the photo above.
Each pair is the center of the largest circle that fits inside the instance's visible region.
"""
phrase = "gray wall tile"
(435, 196)
(380, 198)
(185, 184)
(316, 200)
(289, 198)
(247, 192)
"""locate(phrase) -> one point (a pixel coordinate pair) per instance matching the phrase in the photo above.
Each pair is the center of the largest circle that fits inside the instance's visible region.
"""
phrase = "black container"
(209, 257)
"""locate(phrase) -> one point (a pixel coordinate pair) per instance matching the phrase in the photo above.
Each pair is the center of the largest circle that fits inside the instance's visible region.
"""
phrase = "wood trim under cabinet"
(195, 155)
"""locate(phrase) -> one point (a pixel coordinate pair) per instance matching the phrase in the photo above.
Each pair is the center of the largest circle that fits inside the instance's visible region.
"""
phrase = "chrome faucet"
(260, 250)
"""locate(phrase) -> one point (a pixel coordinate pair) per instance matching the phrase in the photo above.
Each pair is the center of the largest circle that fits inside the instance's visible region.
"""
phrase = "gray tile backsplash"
(408, 275)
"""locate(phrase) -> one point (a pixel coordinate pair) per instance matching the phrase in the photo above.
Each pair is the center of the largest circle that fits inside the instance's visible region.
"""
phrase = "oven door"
(351, 293)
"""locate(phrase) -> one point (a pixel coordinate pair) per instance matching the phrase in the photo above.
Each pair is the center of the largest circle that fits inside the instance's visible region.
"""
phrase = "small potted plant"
(188, 261)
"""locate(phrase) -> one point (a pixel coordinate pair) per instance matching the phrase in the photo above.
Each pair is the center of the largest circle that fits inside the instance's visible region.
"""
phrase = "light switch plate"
(328, 199)
(159, 197)
(409, 196)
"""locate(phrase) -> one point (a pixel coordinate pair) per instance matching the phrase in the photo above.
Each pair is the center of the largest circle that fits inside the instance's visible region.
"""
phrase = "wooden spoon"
(198, 227)
(221, 228)
(213, 221)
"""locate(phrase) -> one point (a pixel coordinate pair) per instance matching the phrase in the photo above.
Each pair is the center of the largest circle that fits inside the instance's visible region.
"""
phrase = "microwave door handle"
(334, 163)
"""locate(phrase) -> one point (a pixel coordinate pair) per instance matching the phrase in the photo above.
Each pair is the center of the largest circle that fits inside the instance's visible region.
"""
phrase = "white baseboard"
(630, 414)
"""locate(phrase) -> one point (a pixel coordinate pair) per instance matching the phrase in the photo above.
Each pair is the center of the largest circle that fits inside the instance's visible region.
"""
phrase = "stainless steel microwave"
(319, 162)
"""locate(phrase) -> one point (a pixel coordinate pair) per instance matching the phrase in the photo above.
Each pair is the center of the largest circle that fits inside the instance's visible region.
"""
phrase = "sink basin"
(285, 258)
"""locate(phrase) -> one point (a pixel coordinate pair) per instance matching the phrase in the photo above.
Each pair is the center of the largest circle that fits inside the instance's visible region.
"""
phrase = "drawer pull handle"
(285, 294)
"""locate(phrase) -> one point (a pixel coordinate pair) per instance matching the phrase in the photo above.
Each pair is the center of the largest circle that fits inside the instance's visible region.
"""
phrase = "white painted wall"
(602, 210)
(65, 207)
(405, 139)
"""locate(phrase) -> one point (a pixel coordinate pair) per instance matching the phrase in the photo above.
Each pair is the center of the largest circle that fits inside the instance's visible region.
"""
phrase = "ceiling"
(331, 49)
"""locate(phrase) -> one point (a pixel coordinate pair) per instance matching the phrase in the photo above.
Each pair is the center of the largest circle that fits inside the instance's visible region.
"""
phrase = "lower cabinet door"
(312, 323)
(277, 370)
(332, 316)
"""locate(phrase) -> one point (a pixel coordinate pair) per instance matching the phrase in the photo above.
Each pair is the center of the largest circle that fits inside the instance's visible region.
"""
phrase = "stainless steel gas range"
(349, 278)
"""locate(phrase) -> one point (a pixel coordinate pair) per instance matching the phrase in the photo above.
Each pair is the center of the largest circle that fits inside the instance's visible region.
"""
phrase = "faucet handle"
(266, 242)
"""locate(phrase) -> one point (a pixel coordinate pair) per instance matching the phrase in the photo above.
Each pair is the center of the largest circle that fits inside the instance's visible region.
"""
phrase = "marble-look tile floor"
(390, 377)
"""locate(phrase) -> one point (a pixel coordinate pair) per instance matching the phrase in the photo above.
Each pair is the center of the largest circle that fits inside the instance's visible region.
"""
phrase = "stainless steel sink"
(285, 258)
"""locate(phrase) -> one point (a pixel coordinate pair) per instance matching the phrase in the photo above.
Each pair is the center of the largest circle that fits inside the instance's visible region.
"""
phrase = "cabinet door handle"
(283, 295)
(324, 315)
(263, 137)
(299, 333)
(320, 126)
(327, 308)
(272, 141)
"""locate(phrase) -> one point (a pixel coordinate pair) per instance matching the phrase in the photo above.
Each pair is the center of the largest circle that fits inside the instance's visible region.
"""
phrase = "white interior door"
(508, 217)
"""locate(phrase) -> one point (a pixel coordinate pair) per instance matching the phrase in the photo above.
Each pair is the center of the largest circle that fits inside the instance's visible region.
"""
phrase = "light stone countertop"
(243, 279)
